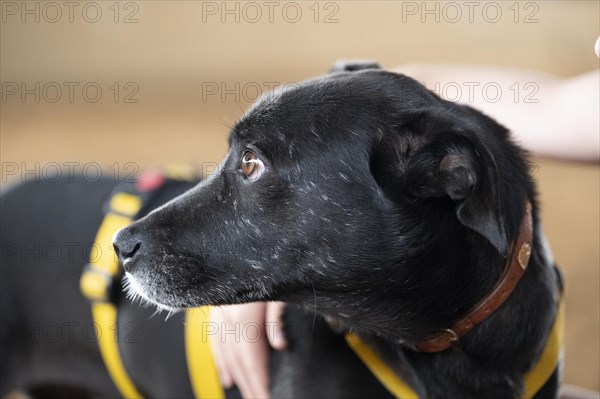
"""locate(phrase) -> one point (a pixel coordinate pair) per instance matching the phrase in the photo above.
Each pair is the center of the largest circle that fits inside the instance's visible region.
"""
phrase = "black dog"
(379, 204)
(368, 199)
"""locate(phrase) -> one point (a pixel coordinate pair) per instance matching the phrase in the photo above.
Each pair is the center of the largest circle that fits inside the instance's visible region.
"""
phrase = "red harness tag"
(149, 181)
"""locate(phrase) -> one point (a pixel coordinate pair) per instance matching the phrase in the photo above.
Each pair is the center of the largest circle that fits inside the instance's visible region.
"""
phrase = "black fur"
(381, 206)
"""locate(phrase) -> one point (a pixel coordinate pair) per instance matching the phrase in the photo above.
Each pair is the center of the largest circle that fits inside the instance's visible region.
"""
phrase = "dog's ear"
(354, 65)
(440, 161)
(469, 177)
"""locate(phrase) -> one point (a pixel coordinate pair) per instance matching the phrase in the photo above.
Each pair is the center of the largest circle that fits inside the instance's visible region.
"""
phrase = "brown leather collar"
(514, 269)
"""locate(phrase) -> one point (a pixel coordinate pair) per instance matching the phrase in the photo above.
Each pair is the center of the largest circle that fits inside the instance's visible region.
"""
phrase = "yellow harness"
(97, 280)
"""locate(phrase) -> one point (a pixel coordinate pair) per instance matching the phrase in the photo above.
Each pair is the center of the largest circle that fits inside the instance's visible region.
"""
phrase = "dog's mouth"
(135, 292)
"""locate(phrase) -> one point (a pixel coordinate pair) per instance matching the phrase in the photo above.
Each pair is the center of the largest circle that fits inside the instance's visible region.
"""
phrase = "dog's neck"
(500, 350)
(515, 267)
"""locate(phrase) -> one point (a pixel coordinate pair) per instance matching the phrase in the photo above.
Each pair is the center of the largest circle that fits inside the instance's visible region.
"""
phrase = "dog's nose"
(126, 244)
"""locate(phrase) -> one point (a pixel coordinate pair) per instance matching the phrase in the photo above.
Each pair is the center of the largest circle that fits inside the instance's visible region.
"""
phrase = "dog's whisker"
(169, 314)
(156, 312)
(225, 122)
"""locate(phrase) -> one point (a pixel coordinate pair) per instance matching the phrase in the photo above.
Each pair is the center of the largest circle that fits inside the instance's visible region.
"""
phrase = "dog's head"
(338, 193)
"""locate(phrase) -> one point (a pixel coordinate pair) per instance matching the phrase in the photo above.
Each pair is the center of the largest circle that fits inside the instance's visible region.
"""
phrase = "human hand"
(241, 348)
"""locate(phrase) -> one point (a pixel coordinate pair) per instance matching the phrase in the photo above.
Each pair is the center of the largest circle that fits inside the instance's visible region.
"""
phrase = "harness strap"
(96, 284)
(201, 364)
(550, 357)
(386, 376)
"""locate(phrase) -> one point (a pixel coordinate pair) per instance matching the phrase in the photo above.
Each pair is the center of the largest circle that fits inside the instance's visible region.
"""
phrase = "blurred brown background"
(174, 75)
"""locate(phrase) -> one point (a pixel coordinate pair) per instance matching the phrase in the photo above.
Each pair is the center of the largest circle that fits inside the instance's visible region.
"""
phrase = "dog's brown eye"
(252, 166)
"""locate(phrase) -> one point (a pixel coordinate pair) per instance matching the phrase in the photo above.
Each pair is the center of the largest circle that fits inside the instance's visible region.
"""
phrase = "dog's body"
(48, 335)
(366, 199)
